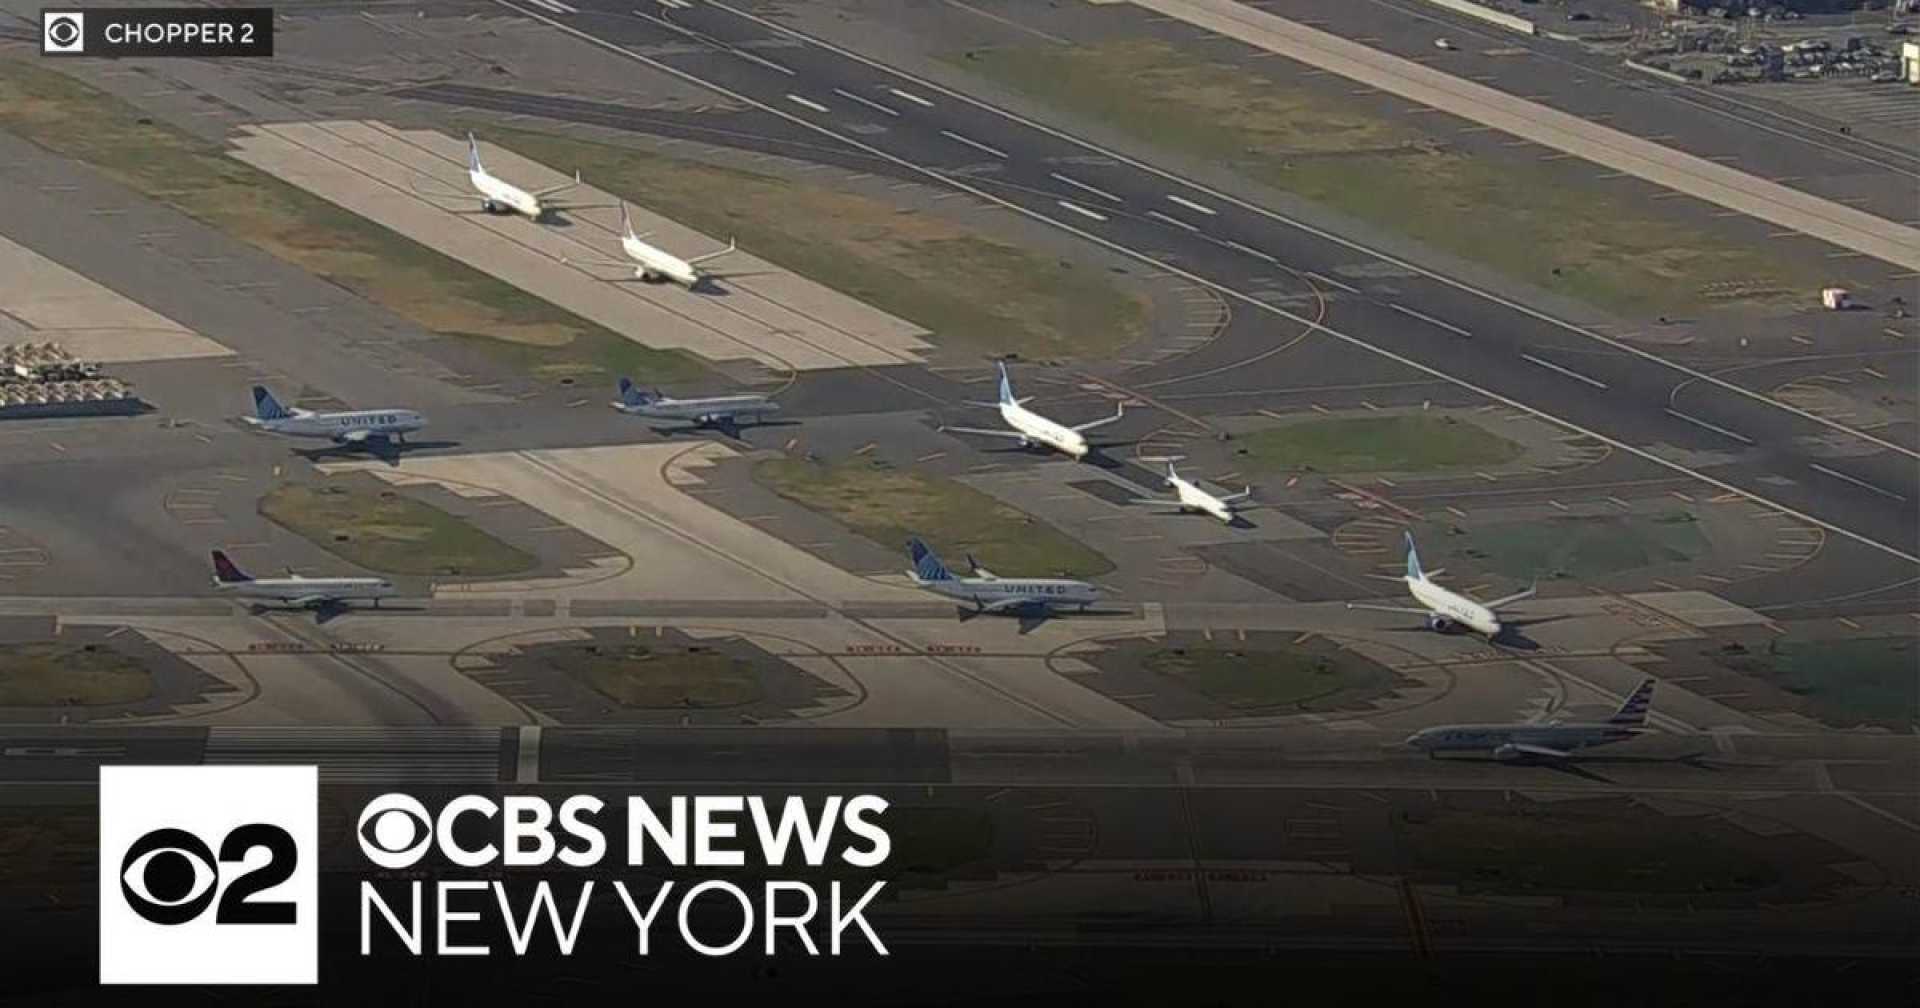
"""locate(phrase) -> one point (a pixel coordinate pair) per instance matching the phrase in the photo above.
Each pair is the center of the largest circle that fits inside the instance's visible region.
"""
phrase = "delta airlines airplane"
(307, 593)
(1030, 428)
(1544, 740)
(350, 427)
(989, 593)
(714, 411)
(1191, 497)
(1446, 609)
(500, 196)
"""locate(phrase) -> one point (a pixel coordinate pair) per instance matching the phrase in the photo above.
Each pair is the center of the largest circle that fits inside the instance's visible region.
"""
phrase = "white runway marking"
(806, 103)
(1716, 428)
(1570, 373)
(1855, 480)
(1430, 320)
(975, 144)
(1082, 211)
(1191, 205)
(868, 102)
(914, 98)
(1077, 184)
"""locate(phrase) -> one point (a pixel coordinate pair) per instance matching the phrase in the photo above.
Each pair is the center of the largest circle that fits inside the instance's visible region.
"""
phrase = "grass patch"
(1619, 850)
(634, 675)
(198, 178)
(1845, 683)
(1549, 224)
(1583, 547)
(887, 505)
(379, 529)
(1263, 680)
(956, 282)
(1410, 443)
(49, 674)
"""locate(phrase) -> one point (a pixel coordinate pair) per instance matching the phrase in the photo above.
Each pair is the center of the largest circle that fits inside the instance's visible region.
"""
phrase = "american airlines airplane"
(989, 593)
(1445, 609)
(307, 593)
(348, 427)
(1030, 428)
(714, 411)
(1544, 740)
(1191, 497)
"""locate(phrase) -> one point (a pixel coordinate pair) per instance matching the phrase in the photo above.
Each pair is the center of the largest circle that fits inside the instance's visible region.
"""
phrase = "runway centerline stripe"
(1191, 205)
(1716, 428)
(975, 144)
(1077, 184)
(1247, 299)
(1569, 372)
(1428, 319)
(1855, 480)
(1175, 221)
(868, 102)
(914, 98)
(1082, 211)
(806, 103)
(762, 60)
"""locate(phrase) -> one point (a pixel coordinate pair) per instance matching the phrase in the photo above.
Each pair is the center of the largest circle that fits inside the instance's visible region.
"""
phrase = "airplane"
(1541, 740)
(294, 590)
(1445, 609)
(500, 196)
(1030, 428)
(348, 427)
(1192, 498)
(659, 264)
(990, 593)
(714, 411)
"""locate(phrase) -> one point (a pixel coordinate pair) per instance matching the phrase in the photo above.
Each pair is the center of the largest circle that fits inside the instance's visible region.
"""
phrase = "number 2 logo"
(169, 876)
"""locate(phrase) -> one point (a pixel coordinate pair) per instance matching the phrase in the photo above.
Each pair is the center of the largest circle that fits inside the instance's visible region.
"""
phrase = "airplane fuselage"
(1501, 740)
(1037, 429)
(1043, 592)
(1450, 607)
(655, 262)
(344, 426)
(296, 589)
(706, 410)
(1195, 499)
(499, 195)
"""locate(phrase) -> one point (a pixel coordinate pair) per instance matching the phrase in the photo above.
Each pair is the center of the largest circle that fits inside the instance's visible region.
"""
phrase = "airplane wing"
(1529, 749)
(355, 436)
(1169, 502)
(1012, 604)
(982, 430)
(312, 600)
(1510, 599)
(1118, 415)
(1242, 495)
(1388, 608)
(557, 190)
(709, 257)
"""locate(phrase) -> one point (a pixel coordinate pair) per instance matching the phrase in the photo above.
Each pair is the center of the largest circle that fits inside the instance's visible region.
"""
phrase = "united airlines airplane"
(498, 196)
(711, 411)
(348, 427)
(1445, 609)
(988, 593)
(1545, 740)
(1030, 428)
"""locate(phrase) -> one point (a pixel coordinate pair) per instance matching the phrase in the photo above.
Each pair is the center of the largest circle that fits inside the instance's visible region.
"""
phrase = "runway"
(1631, 398)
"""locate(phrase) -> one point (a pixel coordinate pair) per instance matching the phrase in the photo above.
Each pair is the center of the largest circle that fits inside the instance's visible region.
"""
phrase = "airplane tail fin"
(473, 155)
(631, 395)
(926, 563)
(225, 572)
(1634, 711)
(1006, 386)
(266, 407)
(626, 221)
(1413, 560)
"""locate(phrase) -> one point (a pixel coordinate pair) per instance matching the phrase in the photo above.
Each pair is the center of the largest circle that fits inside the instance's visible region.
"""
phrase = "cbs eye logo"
(63, 32)
(394, 830)
(209, 875)
(170, 877)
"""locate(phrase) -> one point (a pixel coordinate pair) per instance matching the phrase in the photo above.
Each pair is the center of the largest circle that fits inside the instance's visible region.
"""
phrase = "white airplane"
(500, 196)
(293, 590)
(1191, 497)
(1030, 428)
(1445, 609)
(651, 263)
(720, 411)
(349, 427)
(1544, 740)
(989, 593)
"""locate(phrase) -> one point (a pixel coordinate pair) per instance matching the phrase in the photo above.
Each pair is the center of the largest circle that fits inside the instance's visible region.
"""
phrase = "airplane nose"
(1415, 740)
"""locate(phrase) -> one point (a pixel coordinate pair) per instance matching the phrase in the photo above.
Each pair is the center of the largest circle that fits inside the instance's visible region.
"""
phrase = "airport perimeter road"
(1731, 438)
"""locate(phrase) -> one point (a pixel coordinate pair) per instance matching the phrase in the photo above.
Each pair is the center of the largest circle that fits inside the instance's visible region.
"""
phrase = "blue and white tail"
(626, 222)
(926, 563)
(1413, 561)
(1634, 711)
(266, 407)
(1006, 385)
(473, 155)
(631, 395)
